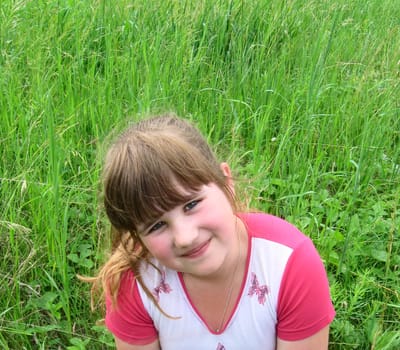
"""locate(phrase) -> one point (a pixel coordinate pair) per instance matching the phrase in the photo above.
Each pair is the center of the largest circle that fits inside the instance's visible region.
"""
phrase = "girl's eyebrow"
(145, 225)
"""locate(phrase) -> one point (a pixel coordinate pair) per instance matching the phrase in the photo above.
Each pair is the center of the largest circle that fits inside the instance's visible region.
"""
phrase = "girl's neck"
(215, 297)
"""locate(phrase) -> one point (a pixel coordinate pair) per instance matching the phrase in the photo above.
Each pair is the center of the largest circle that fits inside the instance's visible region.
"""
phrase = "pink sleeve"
(129, 321)
(304, 304)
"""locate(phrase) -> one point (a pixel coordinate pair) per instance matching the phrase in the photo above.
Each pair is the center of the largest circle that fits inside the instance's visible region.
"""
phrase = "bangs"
(163, 194)
(152, 176)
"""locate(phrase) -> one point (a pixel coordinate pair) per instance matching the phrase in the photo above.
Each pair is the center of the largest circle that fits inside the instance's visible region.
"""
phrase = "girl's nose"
(184, 234)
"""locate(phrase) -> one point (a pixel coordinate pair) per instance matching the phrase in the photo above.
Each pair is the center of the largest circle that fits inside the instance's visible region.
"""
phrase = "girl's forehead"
(187, 191)
(184, 188)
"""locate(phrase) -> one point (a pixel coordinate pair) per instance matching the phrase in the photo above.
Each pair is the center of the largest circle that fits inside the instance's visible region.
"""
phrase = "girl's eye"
(158, 225)
(191, 205)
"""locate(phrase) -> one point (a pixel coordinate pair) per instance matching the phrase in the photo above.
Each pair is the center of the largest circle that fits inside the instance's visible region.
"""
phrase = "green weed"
(300, 96)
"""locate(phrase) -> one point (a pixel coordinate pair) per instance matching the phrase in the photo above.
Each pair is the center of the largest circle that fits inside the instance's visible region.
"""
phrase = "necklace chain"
(229, 294)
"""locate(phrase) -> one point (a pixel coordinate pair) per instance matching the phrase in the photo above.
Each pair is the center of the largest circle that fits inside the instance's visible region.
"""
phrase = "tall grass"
(301, 96)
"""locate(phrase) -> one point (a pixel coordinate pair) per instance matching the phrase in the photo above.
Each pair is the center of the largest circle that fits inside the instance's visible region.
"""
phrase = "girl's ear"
(226, 170)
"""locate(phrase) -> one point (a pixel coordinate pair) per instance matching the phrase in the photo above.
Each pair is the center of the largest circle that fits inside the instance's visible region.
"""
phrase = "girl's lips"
(196, 252)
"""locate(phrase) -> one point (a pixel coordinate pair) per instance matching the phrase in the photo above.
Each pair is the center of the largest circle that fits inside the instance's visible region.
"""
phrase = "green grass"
(302, 97)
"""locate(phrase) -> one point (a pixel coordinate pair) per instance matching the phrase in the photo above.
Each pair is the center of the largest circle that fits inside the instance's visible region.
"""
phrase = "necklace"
(230, 290)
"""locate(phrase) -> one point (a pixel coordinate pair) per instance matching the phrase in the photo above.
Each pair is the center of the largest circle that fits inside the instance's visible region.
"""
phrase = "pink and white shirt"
(285, 294)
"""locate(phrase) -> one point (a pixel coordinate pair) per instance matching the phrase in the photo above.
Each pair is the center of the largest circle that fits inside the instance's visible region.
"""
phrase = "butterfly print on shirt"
(162, 287)
(255, 288)
(220, 347)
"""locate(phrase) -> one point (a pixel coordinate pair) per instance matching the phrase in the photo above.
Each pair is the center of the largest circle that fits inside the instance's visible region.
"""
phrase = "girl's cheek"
(157, 246)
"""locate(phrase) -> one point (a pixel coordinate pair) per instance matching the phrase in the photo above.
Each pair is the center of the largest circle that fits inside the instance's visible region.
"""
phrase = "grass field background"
(302, 97)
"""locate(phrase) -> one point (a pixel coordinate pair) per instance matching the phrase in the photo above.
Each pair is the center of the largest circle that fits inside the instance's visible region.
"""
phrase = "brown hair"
(142, 170)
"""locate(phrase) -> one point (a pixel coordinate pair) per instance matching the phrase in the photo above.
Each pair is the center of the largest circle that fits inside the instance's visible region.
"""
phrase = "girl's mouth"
(197, 251)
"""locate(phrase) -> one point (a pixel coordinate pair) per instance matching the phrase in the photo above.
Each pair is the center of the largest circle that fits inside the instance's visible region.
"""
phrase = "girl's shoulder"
(272, 228)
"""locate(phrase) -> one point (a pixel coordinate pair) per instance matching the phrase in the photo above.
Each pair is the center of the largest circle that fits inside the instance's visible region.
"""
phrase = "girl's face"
(197, 237)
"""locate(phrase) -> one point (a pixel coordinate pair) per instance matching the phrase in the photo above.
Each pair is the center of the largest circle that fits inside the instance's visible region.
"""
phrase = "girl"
(188, 271)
